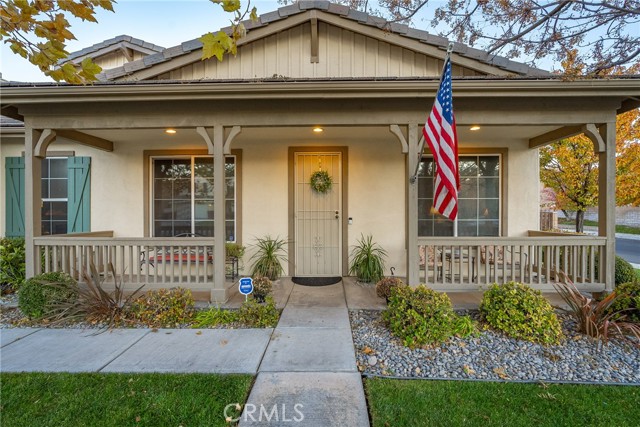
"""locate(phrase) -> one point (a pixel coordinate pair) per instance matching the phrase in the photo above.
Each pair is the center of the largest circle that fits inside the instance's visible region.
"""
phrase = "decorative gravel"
(493, 356)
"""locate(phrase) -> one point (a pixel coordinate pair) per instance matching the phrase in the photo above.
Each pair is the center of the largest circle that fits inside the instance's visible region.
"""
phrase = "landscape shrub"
(627, 302)
(45, 293)
(596, 318)
(367, 260)
(215, 316)
(259, 315)
(12, 263)
(262, 288)
(252, 314)
(624, 272)
(521, 312)
(385, 285)
(269, 256)
(421, 316)
(163, 307)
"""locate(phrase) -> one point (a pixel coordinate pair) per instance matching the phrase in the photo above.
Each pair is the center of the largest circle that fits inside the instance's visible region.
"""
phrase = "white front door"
(318, 216)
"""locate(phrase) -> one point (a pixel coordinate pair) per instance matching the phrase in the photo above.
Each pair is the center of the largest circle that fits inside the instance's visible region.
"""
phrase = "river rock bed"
(493, 356)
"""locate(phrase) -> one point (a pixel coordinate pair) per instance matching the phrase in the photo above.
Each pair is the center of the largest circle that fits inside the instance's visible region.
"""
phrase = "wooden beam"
(591, 131)
(85, 139)
(12, 112)
(315, 43)
(207, 139)
(127, 52)
(46, 137)
(555, 135)
(235, 131)
(395, 129)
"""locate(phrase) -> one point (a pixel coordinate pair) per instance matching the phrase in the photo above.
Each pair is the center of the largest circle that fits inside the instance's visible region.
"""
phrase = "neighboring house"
(243, 149)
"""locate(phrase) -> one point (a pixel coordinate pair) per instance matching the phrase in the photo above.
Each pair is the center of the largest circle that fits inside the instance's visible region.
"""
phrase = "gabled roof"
(358, 17)
(112, 45)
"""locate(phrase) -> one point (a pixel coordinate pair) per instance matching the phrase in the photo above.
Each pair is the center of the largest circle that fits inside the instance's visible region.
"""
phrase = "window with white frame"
(55, 198)
(182, 197)
(478, 200)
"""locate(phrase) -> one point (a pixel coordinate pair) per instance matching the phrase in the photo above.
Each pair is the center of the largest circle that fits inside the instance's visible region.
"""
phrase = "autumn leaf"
(215, 45)
(229, 5)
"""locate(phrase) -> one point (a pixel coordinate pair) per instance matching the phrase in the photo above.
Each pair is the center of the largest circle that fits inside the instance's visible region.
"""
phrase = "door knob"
(337, 215)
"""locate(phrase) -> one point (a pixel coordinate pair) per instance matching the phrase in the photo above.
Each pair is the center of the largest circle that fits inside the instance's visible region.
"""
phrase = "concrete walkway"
(309, 369)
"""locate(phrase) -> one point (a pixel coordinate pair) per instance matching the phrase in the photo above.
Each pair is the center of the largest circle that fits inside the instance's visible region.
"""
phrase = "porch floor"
(362, 296)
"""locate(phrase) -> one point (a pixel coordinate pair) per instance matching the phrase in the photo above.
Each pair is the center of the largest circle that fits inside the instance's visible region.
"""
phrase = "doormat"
(316, 281)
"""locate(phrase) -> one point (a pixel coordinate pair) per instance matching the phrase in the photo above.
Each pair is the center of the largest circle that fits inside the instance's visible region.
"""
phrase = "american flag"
(440, 134)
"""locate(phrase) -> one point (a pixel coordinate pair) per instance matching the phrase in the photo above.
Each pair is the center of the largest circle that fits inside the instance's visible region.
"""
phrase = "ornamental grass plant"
(367, 260)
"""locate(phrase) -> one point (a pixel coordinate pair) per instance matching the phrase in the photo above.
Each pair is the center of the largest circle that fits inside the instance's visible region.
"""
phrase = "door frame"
(345, 205)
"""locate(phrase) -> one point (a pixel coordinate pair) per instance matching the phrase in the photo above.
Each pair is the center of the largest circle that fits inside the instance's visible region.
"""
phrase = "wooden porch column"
(33, 199)
(413, 276)
(214, 139)
(607, 203)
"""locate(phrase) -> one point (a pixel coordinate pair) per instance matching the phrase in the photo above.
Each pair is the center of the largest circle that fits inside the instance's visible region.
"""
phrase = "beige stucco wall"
(376, 187)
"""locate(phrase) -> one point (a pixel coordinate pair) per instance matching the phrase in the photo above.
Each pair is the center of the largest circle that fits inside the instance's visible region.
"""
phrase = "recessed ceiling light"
(318, 129)
(170, 131)
(474, 127)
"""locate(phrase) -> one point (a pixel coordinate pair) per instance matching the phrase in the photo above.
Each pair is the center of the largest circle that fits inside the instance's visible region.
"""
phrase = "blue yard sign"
(246, 285)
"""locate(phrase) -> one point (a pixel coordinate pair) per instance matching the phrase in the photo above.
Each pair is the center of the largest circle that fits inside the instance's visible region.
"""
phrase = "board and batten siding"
(342, 53)
(116, 59)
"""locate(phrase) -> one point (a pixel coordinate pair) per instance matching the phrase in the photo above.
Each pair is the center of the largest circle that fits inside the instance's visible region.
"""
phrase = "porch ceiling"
(304, 134)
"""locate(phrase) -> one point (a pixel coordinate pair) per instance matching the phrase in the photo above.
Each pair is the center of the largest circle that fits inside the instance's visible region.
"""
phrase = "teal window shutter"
(14, 222)
(79, 207)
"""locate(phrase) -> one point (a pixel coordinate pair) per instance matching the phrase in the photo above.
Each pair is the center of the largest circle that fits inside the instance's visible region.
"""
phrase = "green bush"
(384, 286)
(627, 303)
(256, 315)
(163, 307)
(521, 312)
(251, 314)
(12, 263)
(215, 316)
(269, 256)
(624, 271)
(43, 294)
(420, 316)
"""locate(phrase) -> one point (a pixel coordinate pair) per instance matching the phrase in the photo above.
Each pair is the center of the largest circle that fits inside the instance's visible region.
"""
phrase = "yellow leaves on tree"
(21, 20)
(628, 158)
(226, 42)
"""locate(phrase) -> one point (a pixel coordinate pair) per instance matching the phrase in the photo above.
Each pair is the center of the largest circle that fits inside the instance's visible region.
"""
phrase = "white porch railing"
(154, 262)
(467, 263)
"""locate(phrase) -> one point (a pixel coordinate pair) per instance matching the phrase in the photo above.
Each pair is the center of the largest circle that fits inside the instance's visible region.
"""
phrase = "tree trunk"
(579, 221)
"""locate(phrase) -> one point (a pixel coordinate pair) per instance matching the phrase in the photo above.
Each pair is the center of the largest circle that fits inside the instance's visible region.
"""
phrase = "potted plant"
(367, 260)
(268, 257)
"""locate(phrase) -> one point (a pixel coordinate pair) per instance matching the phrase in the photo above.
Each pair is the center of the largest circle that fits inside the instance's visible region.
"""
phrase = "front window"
(54, 195)
(183, 196)
(478, 198)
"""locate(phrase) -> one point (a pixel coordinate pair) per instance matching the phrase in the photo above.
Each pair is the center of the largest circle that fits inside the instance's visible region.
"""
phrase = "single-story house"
(169, 145)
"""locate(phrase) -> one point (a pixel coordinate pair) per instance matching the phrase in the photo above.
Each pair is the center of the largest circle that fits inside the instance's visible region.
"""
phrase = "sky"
(165, 23)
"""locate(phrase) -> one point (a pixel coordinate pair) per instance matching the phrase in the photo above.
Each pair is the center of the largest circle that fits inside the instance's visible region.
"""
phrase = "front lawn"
(45, 399)
(445, 403)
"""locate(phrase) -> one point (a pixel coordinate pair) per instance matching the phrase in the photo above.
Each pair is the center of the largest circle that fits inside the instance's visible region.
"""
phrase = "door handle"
(337, 215)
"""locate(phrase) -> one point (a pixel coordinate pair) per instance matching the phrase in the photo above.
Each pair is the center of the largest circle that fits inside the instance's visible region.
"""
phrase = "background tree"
(605, 33)
(570, 168)
(39, 30)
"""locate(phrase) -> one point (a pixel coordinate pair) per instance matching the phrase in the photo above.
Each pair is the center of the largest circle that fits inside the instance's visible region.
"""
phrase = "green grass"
(400, 403)
(43, 399)
(638, 273)
(619, 228)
